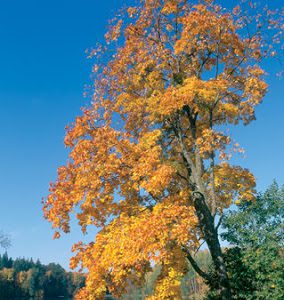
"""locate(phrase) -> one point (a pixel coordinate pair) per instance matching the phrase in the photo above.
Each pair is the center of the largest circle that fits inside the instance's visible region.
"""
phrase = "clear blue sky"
(43, 69)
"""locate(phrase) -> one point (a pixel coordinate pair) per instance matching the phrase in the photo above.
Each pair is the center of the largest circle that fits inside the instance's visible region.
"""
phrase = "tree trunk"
(205, 218)
(206, 222)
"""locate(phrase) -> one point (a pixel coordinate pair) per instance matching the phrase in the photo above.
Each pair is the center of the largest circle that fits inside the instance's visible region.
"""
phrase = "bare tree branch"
(4, 240)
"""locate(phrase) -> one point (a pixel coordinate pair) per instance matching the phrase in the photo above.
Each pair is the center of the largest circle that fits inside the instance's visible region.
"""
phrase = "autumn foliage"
(149, 164)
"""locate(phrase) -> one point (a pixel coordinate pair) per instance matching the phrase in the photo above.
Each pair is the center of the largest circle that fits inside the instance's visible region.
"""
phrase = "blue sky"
(43, 70)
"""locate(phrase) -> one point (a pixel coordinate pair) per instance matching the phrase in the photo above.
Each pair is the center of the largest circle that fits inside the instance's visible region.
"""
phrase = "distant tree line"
(24, 279)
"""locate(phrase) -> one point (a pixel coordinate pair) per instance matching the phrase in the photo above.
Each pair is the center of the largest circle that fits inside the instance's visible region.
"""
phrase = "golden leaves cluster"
(125, 248)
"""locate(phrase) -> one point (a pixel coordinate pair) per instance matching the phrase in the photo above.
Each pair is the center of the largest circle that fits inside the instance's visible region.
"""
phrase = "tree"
(5, 261)
(55, 284)
(4, 240)
(149, 161)
(7, 284)
(256, 263)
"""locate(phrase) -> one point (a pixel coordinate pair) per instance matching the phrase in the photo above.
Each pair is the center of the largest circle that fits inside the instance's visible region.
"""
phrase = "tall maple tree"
(150, 157)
